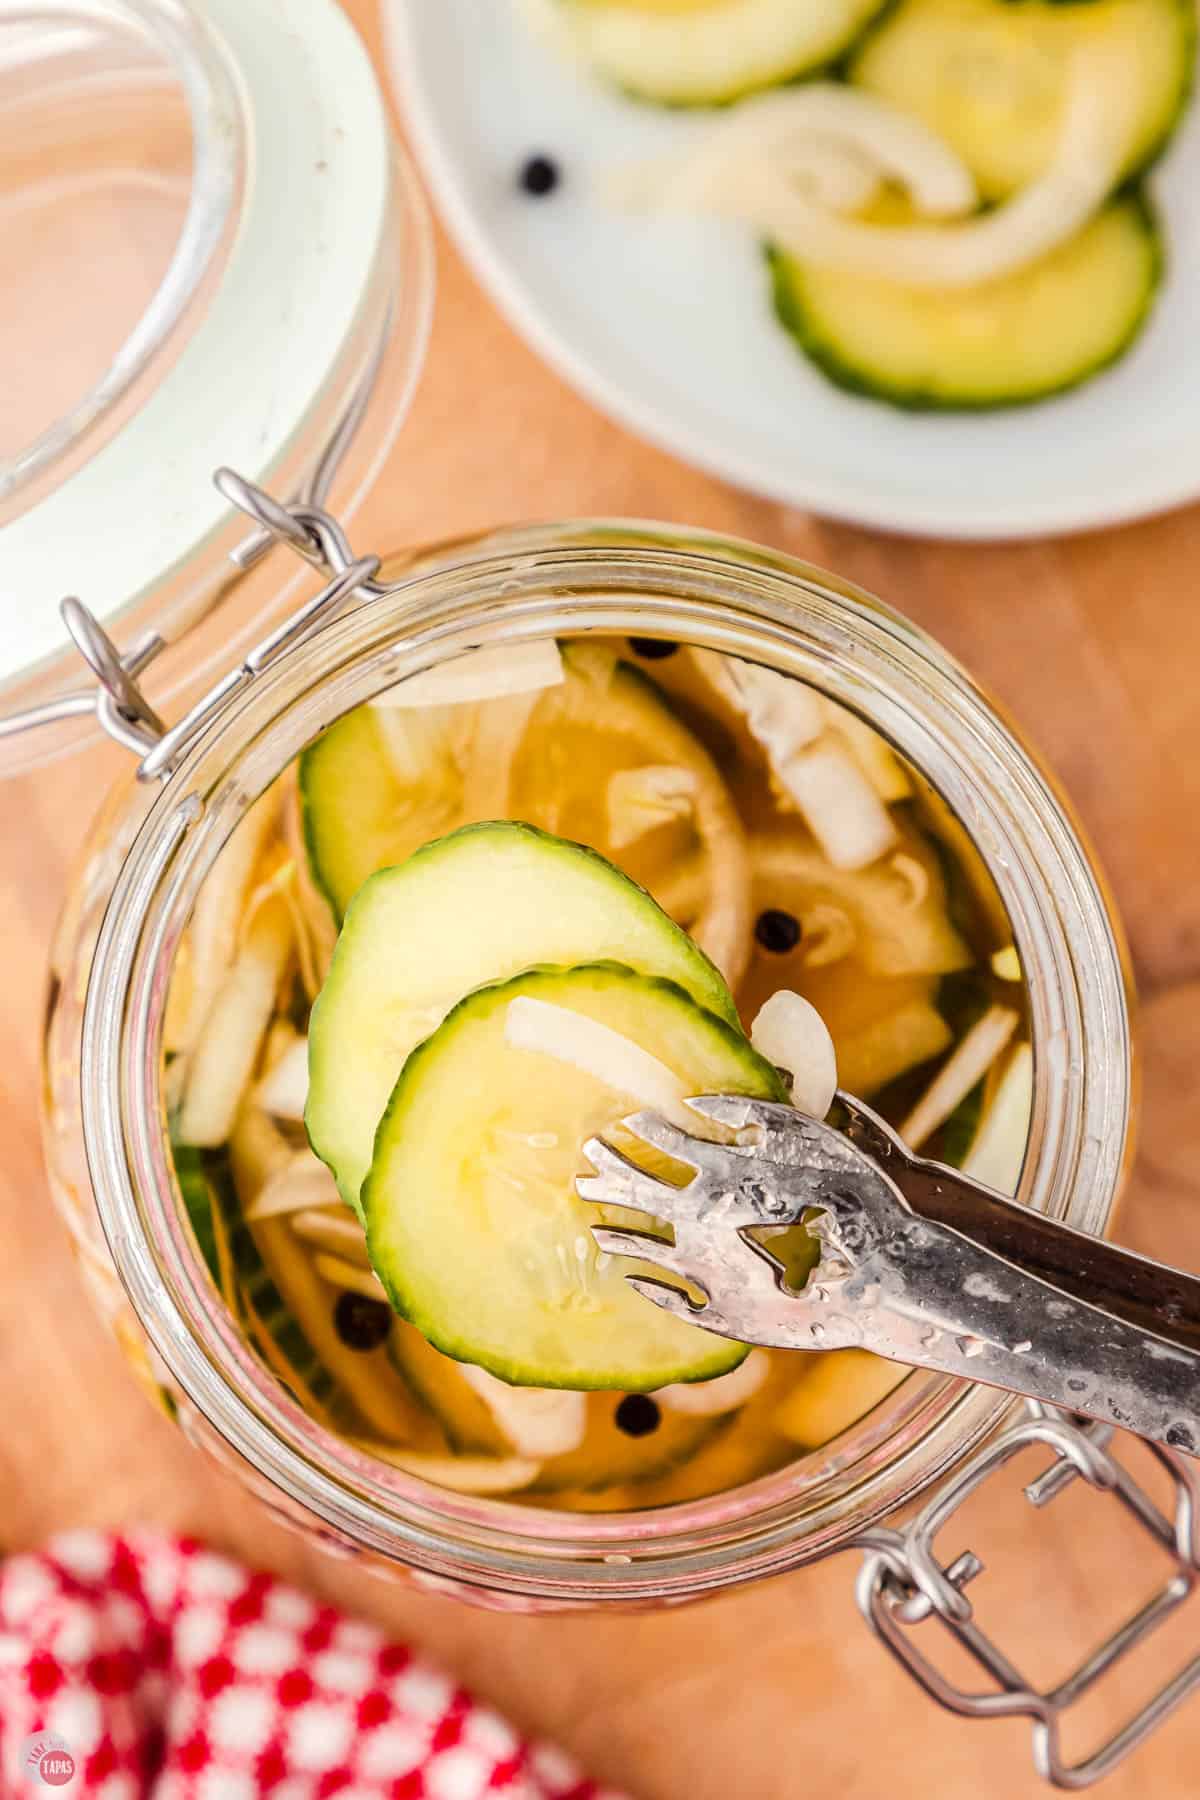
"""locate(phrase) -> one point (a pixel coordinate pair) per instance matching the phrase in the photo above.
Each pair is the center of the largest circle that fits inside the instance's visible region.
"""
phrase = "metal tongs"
(918, 1263)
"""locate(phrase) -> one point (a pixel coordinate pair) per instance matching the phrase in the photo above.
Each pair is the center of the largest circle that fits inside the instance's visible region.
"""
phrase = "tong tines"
(918, 1263)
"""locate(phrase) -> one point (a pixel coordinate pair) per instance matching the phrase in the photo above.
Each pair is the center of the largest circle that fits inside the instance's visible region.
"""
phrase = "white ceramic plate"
(666, 324)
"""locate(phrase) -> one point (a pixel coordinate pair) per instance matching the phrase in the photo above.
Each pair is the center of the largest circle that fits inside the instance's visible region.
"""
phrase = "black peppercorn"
(360, 1322)
(638, 1415)
(539, 176)
(777, 931)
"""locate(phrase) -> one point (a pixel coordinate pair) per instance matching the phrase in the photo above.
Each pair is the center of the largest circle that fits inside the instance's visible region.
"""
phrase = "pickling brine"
(407, 997)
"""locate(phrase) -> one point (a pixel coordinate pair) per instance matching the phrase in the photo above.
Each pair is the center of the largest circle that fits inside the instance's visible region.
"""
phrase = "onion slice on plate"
(825, 141)
(1091, 148)
(752, 181)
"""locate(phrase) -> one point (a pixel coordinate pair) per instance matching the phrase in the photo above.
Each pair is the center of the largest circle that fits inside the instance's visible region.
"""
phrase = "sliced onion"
(218, 916)
(495, 739)
(972, 1058)
(747, 176)
(791, 1033)
(299, 1185)
(873, 754)
(1006, 963)
(342, 1274)
(837, 1390)
(640, 800)
(835, 176)
(814, 771)
(682, 890)
(425, 745)
(827, 934)
(834, 141)
(223, 1060)
(338, 1232)
(874, 1055)
(462, 1474)
(839, 805)
(489, 674)
(536, 1421)
(1091, 148)
(708, 1399)
(998, 1153)
(783, 715)
(913, 877)
(599, 1051)
(316, 929)
(284, 1092)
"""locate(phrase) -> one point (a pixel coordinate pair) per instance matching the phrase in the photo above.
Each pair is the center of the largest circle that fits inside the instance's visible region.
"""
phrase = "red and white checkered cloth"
(142, 1668)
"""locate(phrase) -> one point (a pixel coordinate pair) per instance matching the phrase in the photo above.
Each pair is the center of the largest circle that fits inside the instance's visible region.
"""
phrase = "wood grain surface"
(775, 1692)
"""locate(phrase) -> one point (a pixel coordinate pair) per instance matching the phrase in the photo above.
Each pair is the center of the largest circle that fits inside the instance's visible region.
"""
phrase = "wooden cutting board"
(775, 1692)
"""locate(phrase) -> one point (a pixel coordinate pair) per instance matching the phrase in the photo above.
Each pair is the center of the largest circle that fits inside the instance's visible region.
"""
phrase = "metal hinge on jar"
(118, 701)
(902, 1584)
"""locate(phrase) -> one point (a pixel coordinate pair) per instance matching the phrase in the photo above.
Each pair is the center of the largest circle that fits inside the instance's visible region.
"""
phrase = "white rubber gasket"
(314, 213)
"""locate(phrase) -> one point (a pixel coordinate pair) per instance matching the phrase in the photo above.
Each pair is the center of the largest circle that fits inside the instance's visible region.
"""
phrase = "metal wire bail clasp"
(313, 534)
(121, 707)
(901, 1584)
(118, 702)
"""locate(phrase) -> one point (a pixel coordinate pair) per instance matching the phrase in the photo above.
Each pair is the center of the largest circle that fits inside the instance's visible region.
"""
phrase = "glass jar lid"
(215, 258)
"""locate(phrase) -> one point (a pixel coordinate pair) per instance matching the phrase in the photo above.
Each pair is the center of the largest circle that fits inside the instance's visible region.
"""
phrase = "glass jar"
(268, 280)
(105, 1129)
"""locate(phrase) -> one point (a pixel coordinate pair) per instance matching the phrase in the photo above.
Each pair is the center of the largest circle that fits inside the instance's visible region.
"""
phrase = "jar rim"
(609, 577)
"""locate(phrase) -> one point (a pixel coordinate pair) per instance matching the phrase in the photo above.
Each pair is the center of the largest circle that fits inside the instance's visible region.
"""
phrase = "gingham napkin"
(145, 1668)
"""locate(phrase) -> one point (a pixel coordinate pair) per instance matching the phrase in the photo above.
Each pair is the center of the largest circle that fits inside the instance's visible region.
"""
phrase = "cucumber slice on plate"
(989, 76)
(473, 1223)
(706, 52)
(1023, 337)
(474, 907)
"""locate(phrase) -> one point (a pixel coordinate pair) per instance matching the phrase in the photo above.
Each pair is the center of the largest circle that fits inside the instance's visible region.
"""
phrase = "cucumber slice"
(386, 779)
(362, 808)
(1023, 337)
(604, 727)
(471, 908)
(989, 76)
(705, 52)
(891, 915)
(473, 1223)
